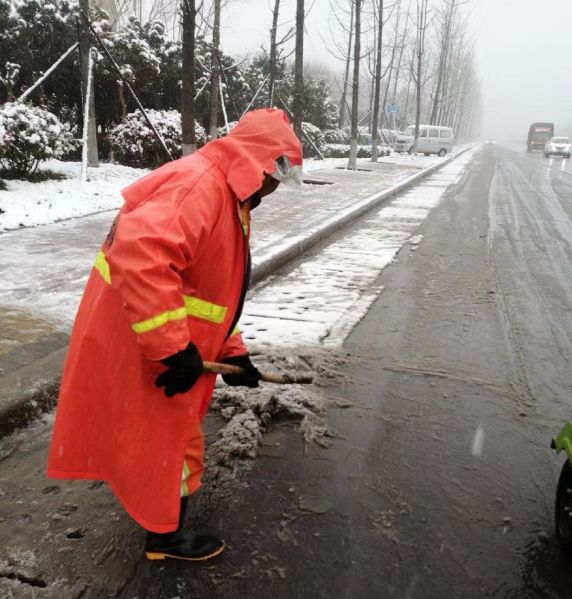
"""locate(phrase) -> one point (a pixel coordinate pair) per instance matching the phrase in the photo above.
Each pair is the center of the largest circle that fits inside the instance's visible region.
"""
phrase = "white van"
(432, 140)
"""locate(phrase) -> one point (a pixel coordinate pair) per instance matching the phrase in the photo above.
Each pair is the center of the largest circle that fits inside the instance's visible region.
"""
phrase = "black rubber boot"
(182, 544)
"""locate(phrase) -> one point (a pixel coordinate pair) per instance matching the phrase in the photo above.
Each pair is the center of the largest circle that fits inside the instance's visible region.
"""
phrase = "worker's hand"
(249, 378)
(183, 371)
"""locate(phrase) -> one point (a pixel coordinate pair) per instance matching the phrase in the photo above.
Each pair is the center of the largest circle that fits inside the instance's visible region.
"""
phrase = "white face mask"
(286, 173)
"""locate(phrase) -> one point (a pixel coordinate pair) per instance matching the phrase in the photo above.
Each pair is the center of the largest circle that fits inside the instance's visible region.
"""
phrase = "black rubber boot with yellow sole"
(182, 544)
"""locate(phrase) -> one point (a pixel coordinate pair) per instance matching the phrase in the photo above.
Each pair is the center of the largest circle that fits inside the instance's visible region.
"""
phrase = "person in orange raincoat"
(165, 293)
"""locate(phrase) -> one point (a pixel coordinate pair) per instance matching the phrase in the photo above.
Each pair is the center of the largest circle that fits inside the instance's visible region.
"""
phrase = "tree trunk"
(299, 70)
(442, 60)
(84, 50)
(375, 125)
(215, 72)
(343, 104)
(188, 78)
(352, 163)
(273, 53)
(422, 10)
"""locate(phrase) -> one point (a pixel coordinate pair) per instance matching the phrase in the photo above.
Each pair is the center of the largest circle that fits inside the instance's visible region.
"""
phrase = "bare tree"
(299, 69)
(377, 79)
(215, 72)
(188, 78)
(276, 46)
(447, 17)
(85, 50)
(421, 24)
(352, 163)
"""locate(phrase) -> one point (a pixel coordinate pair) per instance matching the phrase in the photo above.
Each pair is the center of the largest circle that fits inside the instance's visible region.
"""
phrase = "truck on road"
(538, 135)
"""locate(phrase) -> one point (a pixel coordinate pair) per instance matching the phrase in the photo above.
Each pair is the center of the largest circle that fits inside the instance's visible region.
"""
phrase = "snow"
(26, 204)
(310, 305)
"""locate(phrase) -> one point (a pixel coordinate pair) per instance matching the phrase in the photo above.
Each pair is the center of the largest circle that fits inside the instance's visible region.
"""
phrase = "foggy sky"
(524, 48)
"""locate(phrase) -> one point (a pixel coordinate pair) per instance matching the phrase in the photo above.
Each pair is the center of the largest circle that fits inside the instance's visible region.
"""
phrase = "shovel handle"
(267, 377)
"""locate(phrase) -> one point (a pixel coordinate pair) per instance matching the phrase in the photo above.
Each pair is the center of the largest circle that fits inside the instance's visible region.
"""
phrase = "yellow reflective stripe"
(158, 321)
(102, 267)
(235, 331)
(193, 307)
(205, 310)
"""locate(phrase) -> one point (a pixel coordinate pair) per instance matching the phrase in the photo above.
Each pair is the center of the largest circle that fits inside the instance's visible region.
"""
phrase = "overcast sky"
(523, 50)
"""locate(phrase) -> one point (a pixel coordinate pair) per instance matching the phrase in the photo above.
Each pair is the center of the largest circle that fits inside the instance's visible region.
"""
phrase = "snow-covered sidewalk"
(44, 269)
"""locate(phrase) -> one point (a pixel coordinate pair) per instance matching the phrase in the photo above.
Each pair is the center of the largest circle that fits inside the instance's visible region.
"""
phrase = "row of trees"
(413, 55)
(419, 60)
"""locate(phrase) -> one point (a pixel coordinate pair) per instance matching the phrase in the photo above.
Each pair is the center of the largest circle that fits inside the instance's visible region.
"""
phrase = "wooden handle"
(267, 377)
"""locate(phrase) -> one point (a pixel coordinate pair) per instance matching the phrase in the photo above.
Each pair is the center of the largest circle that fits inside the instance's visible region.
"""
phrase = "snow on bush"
(336, 151)
(134, 143)
(317, 137)
(221, 131)
(28, 135)
(336, 136)
(343, 151)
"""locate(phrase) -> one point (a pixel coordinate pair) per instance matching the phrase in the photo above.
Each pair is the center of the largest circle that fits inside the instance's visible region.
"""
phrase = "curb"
(32, 390)
(296, 246)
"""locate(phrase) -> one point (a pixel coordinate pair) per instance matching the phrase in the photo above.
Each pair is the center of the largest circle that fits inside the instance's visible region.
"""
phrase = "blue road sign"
(393, 109)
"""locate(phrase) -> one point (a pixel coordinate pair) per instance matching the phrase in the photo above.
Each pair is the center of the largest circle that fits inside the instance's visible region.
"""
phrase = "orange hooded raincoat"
(170, 272)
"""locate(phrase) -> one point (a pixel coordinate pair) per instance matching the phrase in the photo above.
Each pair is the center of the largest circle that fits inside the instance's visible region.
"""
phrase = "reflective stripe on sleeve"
(235, 331)
(102, 266)
(158, 321)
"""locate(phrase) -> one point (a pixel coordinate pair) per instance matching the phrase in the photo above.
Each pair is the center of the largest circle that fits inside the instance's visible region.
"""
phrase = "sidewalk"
(44, 269)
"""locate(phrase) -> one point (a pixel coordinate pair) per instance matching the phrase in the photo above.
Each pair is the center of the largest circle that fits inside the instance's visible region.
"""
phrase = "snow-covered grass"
(25, 204)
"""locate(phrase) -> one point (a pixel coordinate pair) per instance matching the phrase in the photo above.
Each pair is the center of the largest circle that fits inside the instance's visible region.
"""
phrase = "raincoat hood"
(250, 150)
(244, 156)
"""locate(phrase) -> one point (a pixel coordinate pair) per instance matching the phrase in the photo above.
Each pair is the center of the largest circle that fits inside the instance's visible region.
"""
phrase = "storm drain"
(316, 182)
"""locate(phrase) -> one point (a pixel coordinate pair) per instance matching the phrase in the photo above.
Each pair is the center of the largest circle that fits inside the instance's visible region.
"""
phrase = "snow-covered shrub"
(134, 143)
(343, 151)
(336, 151)
(336, 136)
(221, 131)
(317, 137)
(364, 151)
(28, 135)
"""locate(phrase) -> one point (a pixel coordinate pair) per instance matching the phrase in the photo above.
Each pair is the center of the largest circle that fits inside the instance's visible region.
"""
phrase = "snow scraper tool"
(267, 377)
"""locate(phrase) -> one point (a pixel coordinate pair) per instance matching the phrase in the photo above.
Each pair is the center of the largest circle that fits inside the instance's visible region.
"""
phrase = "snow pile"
(249, 412)
(28, 135)
(134, 143)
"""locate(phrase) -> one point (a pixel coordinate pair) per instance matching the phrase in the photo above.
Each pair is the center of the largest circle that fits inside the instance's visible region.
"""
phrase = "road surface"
(440, 480)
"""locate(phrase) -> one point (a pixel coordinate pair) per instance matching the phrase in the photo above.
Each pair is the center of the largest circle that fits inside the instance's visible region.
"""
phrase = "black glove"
(184, 369)
(249, 378)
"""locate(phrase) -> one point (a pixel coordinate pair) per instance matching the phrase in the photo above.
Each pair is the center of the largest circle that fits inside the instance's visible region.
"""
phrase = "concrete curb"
(32, 390)
(296, 246)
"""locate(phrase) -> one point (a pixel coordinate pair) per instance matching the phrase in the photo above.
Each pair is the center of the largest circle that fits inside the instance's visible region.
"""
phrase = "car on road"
(490, 142)
(558, 146)
(432, 140)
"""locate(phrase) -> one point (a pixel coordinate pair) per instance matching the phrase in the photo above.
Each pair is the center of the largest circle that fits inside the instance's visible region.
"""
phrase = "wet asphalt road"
(440, 482)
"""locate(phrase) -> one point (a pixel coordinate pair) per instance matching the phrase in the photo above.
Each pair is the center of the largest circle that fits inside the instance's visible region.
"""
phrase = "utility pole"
(84, 52)
(298, 106)
(188, 78)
